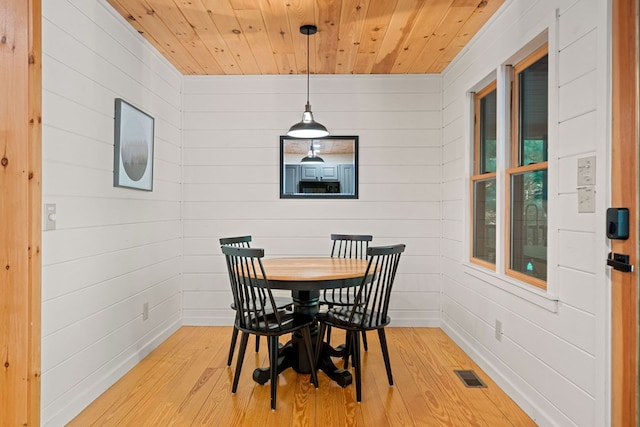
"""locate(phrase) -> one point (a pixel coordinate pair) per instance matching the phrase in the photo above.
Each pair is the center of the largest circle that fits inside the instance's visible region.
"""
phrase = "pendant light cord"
(308, 71)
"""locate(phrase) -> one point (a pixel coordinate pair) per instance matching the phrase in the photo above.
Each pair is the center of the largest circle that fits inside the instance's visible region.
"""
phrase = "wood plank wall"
(20, 217)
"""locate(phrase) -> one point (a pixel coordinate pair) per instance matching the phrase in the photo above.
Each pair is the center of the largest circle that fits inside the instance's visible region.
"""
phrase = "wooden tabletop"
(313, 269)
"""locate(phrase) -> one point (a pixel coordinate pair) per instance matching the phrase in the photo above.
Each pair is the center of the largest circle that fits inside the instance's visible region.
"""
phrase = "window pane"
(528, 253)
(484, 221)
(533, 101)
(488, 133)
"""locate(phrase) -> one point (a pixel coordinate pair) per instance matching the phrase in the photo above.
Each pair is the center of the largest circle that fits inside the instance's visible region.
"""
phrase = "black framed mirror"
(319, 168)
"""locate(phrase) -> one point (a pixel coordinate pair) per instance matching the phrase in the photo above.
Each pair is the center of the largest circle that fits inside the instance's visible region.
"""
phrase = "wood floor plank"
(122, 396)
(415, 378)
(185, 369)
(396, 402)
(185, 382)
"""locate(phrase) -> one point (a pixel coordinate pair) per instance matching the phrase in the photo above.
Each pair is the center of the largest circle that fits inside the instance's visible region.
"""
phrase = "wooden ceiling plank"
(141, 16)
(402, 20)
(430, 16)
(244, 4)
(173, 18)
(255, 31)
(364, 63)
(352, 20)
(477, 20)
(198, 17)
(275, 17)
(286, 63)
(324, 44)
(442, 37)
(301, 12)
(223, 15)
(376, 24)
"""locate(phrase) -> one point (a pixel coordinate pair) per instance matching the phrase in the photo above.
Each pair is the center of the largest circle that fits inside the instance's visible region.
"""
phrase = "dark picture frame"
(133, 147)
(334, 175)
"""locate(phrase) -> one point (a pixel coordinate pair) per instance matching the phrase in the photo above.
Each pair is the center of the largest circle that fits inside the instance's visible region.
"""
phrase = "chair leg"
(306, 336)
(273, 367)
(243, 348)
(329, 307)
(234, 338)
(348, 345)
(356, 364)
(321, 329)
(257, 343)
(364, 341)
(385, 353)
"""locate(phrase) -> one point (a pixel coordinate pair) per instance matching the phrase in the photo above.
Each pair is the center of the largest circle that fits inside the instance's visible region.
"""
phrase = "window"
(526, 178)
(508, 196)
(483, 181)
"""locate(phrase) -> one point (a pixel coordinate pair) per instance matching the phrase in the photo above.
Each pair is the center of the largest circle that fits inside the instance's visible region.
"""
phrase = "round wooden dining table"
(305, 277)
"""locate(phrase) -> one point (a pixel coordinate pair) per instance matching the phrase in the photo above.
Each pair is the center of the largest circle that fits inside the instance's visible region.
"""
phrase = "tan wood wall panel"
(624, 193)
(35, 203)
(20, 218)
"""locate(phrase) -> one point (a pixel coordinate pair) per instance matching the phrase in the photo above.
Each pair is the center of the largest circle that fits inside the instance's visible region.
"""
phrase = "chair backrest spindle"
(250, 287)
(374, 292)
(350, 245)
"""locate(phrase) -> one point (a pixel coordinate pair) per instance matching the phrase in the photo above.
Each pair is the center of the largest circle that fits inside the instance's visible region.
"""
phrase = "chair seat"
(362, 320)
(289, 322)
(281, 302)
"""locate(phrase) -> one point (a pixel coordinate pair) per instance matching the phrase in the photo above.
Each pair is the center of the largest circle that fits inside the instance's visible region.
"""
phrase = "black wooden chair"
(257, 312)
(345, 246)
(281, 302)
(369, 310)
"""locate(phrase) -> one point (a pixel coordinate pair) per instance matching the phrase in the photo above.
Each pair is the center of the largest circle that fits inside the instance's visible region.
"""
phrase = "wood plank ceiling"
(256, 37)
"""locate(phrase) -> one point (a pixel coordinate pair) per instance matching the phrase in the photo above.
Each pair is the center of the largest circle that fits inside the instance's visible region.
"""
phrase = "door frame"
(20, 214)
(624, 193)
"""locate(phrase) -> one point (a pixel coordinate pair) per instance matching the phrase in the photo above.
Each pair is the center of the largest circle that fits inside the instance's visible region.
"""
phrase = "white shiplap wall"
(552, 355)
(231, 135)
(114, 248)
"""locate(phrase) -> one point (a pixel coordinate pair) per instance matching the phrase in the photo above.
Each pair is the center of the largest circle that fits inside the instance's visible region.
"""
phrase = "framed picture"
(133, 149)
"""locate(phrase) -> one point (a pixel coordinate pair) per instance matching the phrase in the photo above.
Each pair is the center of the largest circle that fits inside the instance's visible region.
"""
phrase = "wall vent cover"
(470, 379)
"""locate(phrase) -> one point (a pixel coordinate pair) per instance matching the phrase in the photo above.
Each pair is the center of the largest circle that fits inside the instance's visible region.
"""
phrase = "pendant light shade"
(307, 127)
(312, 157)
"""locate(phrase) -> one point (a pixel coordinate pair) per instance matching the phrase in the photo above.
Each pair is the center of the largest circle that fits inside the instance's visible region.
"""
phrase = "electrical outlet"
(498, 330)
(145, 311)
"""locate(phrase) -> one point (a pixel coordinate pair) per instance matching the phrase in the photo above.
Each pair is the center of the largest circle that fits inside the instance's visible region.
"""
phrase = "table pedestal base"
(292, 354)
(288, 358)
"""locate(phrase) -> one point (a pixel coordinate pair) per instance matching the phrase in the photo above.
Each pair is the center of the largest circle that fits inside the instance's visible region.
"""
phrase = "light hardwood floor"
(185, 382)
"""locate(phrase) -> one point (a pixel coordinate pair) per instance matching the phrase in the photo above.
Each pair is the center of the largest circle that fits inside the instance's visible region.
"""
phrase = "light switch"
(49, 216)
(586, 200)
(587, 171)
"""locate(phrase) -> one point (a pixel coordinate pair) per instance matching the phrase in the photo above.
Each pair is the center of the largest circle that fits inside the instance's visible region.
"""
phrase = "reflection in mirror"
(319, 167)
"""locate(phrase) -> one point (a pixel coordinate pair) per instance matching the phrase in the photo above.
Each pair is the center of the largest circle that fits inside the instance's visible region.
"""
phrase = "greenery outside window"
(483, 180)
(526, 179)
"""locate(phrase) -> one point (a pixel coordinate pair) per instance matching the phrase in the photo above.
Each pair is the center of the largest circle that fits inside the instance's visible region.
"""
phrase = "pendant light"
(312, 157)
(307, 127)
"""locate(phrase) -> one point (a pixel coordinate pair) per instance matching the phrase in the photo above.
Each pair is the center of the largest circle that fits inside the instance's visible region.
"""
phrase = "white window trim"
(547, 299)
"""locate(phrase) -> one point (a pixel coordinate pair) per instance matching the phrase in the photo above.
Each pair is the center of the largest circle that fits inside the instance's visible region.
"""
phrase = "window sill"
(521, 290)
